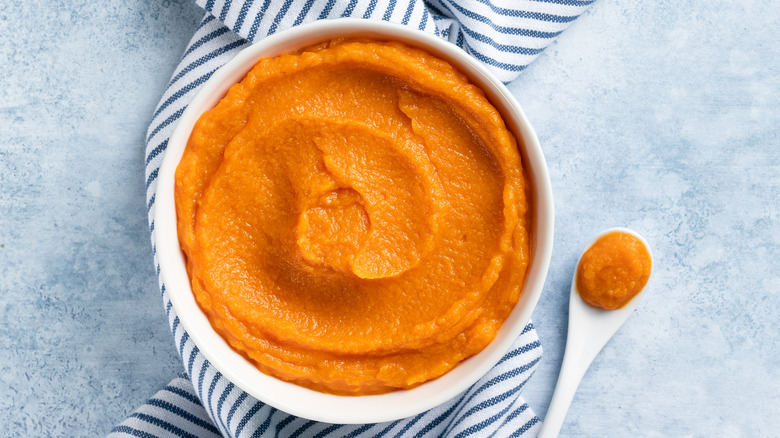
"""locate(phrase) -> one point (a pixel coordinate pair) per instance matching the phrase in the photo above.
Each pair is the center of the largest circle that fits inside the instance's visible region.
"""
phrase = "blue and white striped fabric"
(506, 35)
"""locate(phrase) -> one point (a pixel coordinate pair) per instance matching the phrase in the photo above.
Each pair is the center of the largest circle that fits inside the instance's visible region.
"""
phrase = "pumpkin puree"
(353, 217)
(613, 270)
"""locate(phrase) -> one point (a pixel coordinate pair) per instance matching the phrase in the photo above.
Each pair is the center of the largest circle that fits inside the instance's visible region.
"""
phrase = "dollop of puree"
(353, 217)
(613, 271)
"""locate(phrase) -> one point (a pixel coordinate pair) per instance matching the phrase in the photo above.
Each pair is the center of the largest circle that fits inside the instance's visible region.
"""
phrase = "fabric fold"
(506, 38)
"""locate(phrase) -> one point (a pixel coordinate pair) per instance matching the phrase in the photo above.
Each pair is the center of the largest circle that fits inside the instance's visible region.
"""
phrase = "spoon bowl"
(590, 328)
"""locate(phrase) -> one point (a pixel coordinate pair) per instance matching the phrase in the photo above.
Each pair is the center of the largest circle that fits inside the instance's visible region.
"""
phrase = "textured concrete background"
(660, 116)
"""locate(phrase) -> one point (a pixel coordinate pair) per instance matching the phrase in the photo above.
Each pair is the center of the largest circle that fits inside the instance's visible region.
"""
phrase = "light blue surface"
(659, 116)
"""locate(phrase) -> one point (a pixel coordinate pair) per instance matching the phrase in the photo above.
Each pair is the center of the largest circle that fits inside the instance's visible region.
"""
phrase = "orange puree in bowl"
(353, 217)
(613, 270)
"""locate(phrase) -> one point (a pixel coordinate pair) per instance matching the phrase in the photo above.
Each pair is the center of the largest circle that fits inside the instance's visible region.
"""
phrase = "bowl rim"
(304, 402)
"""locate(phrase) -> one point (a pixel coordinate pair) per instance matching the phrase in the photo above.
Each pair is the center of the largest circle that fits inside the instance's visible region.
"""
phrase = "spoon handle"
(572, 371)
(589, 330)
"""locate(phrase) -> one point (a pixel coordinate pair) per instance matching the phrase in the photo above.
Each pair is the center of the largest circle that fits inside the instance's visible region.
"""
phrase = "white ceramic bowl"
(289, 397)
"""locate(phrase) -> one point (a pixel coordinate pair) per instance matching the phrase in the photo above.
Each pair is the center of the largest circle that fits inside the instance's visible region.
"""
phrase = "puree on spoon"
(613, 270)
(354, 217)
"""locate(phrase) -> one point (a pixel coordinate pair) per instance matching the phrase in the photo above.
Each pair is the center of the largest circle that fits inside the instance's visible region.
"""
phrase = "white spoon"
(589, 330)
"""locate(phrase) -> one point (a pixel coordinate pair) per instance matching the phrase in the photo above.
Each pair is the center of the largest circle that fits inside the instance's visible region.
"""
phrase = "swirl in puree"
(353, 217)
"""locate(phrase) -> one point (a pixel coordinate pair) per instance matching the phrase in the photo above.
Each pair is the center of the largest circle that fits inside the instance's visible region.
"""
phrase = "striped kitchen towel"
(506, 35)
